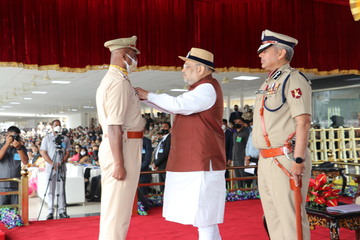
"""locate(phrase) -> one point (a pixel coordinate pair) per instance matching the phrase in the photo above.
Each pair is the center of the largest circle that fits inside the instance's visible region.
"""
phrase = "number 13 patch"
(296, 93)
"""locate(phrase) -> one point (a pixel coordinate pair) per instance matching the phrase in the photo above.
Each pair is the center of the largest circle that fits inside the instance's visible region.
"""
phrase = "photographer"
(12, 153)
(49, 146)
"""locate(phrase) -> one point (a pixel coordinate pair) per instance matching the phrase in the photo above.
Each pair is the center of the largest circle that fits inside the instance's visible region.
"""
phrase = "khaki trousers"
(117, 197)
(277, 198)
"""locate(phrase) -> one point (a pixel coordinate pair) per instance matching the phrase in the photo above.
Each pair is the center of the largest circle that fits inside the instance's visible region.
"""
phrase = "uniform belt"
(273, 152)
(135, 134)
(132, 134)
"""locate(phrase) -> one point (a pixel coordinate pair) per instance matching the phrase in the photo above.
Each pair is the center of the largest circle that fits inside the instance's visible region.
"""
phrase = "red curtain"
(69, 34)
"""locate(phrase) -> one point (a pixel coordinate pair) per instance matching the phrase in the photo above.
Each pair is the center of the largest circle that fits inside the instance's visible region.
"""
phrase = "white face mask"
(131, 68)
(82, 152)
(57, 129)
(223, 127)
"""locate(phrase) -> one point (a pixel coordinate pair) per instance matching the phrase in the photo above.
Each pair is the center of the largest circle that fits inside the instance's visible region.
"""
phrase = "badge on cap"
(296, 93)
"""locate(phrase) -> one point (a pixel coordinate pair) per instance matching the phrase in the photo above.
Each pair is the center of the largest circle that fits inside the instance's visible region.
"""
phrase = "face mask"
(238, 126)
(223, 127)
(57, 129)
(131, 68)
(82, 152)
(151, 128)
(164, 131)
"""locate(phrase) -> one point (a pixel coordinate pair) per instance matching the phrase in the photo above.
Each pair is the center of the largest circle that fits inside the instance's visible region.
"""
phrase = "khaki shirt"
(117, 103)
(280, 124)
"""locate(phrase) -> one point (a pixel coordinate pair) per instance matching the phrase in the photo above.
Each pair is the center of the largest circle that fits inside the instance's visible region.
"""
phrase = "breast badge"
(296, 93)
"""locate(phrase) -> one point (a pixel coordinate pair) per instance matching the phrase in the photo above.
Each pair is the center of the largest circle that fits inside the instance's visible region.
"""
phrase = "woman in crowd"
(34, 156)
(35, 165)
(81, 155)
(76, 156)
(84, 156)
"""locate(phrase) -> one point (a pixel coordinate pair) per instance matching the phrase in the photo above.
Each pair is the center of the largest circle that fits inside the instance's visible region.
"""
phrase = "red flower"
(322, 192)
(332, 202)
(320, 200)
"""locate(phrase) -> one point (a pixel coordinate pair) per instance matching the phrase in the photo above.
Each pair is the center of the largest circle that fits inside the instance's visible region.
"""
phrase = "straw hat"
(200, 56)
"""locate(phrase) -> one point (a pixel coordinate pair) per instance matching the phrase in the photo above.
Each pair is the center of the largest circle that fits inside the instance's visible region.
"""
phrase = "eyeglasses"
(186, 66)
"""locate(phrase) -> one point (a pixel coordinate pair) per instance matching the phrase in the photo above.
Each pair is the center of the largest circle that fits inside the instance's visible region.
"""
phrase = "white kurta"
(198, 197)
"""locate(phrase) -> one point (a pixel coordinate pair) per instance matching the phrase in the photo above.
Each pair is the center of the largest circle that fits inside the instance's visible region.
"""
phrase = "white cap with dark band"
(270, 38)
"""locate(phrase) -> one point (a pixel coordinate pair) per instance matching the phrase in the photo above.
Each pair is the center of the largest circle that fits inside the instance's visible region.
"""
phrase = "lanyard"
(287, 142)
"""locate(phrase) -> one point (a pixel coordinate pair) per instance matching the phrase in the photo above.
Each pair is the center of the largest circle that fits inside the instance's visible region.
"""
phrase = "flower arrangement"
(321, 193)
(10, 217)
(241, 195)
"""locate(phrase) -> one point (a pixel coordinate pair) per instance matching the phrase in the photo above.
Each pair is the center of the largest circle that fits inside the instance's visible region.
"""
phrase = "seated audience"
(84, 156)
(34, 155)
(76, 155)
(81, 155)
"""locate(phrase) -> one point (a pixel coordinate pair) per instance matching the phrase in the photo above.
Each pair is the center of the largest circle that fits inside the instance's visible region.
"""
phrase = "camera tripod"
(58, 172)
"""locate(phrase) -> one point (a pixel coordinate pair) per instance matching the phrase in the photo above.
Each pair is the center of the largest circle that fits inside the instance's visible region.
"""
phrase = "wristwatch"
(299, 160)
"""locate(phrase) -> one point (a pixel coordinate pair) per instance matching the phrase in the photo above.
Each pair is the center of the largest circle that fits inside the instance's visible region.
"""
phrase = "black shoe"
(63, 215)
(50, 216)
(94, 199)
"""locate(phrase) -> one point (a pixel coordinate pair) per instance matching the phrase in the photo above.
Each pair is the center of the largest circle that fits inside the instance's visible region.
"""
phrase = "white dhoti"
(196, 198)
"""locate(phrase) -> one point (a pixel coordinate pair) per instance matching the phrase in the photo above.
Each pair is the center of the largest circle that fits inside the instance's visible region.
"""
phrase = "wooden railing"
(231, 181)
(338, 145)
(23, 199)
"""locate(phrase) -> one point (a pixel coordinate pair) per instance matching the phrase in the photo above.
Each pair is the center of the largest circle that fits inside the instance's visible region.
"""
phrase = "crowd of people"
(83, 149)
(85, 144)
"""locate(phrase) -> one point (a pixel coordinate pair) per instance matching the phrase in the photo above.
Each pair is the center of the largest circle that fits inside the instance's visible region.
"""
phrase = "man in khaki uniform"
(286, 100)
(120, 151)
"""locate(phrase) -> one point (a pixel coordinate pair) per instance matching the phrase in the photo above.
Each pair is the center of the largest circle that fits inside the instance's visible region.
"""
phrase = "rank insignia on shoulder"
(277, 74)
(296, 93)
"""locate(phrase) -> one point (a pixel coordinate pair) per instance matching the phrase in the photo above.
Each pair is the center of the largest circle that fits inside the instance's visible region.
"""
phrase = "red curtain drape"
(69, 34)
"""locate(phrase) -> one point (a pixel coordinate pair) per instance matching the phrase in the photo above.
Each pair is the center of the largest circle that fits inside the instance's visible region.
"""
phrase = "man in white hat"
(120, 151)
(195, 179)
(282, 111)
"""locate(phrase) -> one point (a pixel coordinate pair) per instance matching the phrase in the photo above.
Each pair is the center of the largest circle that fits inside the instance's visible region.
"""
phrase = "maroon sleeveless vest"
(198, 138)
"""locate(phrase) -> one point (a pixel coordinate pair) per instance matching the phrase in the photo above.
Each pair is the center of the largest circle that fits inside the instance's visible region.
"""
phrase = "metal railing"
(23, 199)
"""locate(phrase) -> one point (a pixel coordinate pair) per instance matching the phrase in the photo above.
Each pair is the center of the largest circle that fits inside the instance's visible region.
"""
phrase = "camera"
(59, 139)
(16, 137)
(60, 133)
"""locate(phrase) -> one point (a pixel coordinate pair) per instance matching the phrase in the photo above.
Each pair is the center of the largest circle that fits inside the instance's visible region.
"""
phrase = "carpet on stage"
(243, 220)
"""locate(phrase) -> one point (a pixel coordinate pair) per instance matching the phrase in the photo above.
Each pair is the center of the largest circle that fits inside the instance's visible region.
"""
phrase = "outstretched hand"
(142, 94)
